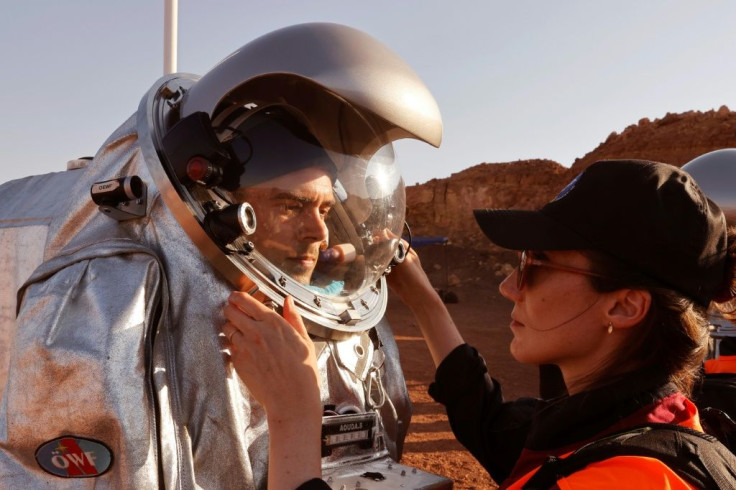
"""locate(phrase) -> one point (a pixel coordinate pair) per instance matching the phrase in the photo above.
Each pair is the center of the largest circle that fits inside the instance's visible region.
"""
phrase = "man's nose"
(313, 227)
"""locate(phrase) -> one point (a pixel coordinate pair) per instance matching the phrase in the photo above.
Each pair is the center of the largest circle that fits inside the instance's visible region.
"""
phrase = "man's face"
(290, 213)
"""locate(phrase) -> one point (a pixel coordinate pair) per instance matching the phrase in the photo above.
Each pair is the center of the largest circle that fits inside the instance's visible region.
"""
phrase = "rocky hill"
(444, 206)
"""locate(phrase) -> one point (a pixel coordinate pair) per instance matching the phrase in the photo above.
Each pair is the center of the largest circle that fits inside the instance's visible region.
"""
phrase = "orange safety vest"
(618, 472)
(722, 365)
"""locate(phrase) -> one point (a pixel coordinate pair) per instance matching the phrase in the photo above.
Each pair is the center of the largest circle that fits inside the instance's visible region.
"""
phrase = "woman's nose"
(508, 288)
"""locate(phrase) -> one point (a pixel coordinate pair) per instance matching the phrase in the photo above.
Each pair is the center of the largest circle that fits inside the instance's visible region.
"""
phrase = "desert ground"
(482, 315)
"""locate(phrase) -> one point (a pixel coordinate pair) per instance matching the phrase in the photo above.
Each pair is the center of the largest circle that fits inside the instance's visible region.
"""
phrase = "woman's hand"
(275, 358)
(272, 354)
(409, 281)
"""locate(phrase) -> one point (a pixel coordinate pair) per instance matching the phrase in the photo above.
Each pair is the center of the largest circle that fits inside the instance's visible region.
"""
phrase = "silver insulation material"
(116, 340)
(113, 370)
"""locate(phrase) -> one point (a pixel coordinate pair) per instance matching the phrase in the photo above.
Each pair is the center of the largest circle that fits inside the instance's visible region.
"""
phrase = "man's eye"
(290, 207)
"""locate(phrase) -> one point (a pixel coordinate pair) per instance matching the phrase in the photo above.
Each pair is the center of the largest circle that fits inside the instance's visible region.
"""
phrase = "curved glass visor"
(329, 220)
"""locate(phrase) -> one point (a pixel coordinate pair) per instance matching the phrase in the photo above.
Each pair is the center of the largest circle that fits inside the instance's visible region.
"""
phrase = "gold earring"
(610, 328)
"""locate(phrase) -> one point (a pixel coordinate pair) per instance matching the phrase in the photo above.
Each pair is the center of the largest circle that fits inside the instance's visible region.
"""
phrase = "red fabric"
(722, 365)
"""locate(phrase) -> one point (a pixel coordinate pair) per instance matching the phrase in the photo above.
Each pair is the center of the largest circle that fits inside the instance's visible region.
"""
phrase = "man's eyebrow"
(301, 199)
(291, 197)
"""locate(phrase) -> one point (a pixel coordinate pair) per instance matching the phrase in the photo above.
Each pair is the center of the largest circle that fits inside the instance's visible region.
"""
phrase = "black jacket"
(511, 438)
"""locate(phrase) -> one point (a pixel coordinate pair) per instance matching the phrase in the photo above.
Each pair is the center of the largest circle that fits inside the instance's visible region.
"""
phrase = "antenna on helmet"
(171, 13)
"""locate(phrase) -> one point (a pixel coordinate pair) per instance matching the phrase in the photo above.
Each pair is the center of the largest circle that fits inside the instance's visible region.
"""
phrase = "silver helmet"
(715, 174)
(279, 165)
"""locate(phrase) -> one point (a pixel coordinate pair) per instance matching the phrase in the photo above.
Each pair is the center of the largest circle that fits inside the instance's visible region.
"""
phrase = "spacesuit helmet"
(279, 164)
(715, 174)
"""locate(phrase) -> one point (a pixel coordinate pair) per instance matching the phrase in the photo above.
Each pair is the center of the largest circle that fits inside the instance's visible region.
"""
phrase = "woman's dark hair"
(673, 337)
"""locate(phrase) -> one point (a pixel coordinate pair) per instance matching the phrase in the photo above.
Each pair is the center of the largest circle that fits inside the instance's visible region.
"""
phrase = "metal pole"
(171, 14)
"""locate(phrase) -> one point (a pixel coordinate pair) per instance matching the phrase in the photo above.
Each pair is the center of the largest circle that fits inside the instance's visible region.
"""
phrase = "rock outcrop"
(444, 206)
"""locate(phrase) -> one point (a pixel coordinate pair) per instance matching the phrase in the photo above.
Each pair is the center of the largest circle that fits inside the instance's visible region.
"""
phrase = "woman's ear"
(629, 308)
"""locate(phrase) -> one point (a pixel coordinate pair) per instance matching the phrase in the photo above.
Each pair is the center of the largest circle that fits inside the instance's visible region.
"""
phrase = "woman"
(613, 281)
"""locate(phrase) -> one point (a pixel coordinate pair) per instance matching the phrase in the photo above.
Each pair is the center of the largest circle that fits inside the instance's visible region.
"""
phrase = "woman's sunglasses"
(526, 260)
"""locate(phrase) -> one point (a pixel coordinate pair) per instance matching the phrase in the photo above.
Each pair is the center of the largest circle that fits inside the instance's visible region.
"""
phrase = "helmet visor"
(328, 213)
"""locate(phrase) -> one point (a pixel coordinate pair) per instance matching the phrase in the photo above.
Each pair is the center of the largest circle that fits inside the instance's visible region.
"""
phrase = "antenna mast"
(171, 14)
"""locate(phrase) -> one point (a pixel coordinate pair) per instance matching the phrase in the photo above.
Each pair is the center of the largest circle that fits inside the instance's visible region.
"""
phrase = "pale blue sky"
(513, 79)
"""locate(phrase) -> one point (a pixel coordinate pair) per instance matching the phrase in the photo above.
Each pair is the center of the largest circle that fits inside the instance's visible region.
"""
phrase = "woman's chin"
(522, 355)
(516, 351)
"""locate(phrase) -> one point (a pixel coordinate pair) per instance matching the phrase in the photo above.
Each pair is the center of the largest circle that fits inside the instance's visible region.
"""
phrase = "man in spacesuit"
(233, 180)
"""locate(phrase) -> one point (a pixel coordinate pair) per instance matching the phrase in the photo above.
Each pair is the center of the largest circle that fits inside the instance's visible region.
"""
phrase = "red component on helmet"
(200, 170)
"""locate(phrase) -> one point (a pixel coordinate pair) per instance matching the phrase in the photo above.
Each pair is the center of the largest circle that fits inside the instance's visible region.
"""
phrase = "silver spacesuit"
(116, 271)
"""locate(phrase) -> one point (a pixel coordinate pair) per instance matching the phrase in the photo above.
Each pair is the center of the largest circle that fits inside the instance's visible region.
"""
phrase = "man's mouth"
(305, 259)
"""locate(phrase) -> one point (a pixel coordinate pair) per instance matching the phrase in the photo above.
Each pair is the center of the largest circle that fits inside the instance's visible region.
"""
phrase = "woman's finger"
(232, 332)
(248, 304)
(235, 315)
(228, 330)
(291, 315)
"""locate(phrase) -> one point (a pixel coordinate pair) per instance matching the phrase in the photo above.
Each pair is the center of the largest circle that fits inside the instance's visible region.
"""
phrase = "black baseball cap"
(650, 216)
